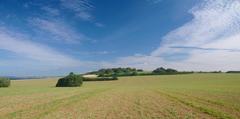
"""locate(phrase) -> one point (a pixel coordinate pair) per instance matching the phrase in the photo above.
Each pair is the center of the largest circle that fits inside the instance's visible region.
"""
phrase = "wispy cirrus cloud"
(99, 24)
(51, 11)
(58, 29)
(92, 53)
(213, 37)
(21, 45)
(33, 58)
(154, 1)
(81, 8)
(214, 22)
(207, 49)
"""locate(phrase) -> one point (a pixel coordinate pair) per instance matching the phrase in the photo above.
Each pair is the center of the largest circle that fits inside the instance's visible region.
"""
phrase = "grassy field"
(172, 96)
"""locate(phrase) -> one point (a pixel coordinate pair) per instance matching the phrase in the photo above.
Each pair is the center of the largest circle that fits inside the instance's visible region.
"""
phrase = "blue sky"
(58, 36)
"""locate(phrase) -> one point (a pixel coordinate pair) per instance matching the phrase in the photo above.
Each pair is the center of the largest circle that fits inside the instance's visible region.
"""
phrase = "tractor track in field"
(216, 104)
(150, 97)
(149, 105)
(210, 112)
(74, 99)
(52, 106)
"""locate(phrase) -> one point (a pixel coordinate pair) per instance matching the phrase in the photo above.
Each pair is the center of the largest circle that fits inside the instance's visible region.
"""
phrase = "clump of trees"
(162, 70)
(100, 79)
(4, 82)
(233, 72)
(168, 71)
(114, 72)
(72, 80)
(117, 72)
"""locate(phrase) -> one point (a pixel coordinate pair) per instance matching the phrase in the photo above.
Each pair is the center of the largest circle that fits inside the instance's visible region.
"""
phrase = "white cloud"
(58, 29)
(84, 15)
(51, 11)
(99, 24)
(155, 1)
(215, 24)
(32, 58)
(81, 8)
(214, 21)
(23, 47)
(92, 53)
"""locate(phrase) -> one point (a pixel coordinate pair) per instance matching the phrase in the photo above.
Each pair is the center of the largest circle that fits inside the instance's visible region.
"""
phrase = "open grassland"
(171, 96)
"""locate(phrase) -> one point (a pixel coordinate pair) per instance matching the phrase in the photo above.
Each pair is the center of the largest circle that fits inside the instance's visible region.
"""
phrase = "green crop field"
(145, 97)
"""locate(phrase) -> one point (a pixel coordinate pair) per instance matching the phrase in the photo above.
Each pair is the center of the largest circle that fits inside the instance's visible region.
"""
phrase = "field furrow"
(193, 96)
(204, 109)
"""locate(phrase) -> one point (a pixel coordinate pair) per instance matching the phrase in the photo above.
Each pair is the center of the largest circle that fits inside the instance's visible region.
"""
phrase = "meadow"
(187, 96)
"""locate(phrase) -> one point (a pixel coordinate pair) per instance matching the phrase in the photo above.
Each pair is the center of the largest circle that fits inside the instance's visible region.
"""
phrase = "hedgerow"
(71, 80)
(4, 82)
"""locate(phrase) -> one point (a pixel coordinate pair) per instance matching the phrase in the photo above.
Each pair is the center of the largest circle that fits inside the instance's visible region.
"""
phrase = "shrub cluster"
(100, 79)
(71, 80)
(118, 72)
(162, 70)
(4, 82)
(111, 72)
(233, 72)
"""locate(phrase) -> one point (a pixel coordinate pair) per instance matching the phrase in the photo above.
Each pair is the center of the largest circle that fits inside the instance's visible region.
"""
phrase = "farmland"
(140, 97)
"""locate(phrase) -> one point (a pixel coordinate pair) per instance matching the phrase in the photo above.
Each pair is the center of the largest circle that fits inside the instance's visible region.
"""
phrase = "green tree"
(5, 82)
(159, 70)
(71, 80)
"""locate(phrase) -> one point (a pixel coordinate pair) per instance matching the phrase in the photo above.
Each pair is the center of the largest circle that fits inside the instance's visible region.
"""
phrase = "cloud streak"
(51, 11)
(155, 1)
(213, 35)
(59, 30)
(81, 8)
(207, 49)
(23, 47)
(214, 22)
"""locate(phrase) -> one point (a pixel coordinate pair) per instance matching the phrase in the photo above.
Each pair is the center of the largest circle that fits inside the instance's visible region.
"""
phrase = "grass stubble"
(147, 97)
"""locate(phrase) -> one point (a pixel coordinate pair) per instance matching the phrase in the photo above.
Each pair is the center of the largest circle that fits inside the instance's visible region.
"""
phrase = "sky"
(55, 37)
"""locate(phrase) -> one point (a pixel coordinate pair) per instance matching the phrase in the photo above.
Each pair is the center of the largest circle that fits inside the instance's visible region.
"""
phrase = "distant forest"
(110, 72)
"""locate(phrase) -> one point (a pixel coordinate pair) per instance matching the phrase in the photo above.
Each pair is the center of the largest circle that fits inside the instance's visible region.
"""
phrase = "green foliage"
(100, 79)
(115, 72)
(171, 70)
(162, 70)
(159, 70)
(118, 72)
(233, 72)
(71, 80)
(4, 82)
(209, 72)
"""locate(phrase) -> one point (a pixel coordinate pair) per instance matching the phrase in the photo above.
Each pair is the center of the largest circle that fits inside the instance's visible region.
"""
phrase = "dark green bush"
(4, 82)
(71, 80)
(159, 70)
(100, 79)
(162, 70)
(233, 72)
(110, 72)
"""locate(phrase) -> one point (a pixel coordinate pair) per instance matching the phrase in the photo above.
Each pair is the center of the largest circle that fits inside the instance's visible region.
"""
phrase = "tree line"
(110, 72)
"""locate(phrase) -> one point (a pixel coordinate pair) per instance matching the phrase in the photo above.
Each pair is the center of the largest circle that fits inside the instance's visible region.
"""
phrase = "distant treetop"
(163, 70)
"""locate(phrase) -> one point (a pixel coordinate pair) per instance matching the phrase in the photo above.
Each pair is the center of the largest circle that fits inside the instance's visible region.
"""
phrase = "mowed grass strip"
(215, 104)
(44, 109)
(211, 112)
(176, 96)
